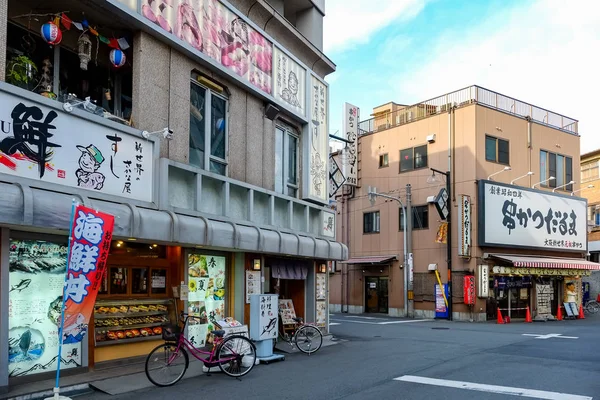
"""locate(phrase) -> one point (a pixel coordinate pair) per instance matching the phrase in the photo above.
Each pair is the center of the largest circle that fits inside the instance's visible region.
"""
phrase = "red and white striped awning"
(543, 262)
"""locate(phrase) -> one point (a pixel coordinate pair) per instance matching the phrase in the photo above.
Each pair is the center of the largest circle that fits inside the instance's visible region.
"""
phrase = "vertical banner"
(318, 157)
(349, 165)
(464, 226)
(91, 239)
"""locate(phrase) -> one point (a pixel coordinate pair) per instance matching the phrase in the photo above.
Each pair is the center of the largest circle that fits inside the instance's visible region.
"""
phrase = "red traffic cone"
(528, 315)
(500, 320)
(581, 316)
(559, 316)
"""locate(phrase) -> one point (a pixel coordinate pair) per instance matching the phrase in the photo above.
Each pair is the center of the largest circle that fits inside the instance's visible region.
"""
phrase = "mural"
(210, 27)
(289, 81)
(319, 140)
(36, 142)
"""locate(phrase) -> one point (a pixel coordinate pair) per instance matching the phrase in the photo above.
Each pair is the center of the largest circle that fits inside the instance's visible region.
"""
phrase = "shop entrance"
(512, 295)
(376, 294)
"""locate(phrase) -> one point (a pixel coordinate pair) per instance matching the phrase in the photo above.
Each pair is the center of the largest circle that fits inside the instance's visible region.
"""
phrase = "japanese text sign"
(318, 144)
(90, 245)
(512, 216)
(349, 165)
(464, 226)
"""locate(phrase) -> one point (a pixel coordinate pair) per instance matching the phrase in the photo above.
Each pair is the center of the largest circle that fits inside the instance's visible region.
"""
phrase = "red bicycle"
(166, 364)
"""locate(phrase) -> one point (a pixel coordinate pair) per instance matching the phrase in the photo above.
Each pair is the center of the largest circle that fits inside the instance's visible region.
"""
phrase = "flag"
(442, 233)
(123, 43)
(114, 43)
(78, 25)
(103, 39)
(90, 244)
(66, 21)
(93, 31)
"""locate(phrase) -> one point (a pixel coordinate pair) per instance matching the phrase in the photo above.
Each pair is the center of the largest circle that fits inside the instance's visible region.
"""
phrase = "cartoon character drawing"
(89, 162)
(74, 333)
(290, 94)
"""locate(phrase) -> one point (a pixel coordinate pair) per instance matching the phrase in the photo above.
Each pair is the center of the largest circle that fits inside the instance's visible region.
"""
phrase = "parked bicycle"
(307, 337)
(591, 306)
(166, 364)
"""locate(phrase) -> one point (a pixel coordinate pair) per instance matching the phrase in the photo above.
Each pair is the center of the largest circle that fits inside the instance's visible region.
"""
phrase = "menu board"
(321, 286)
(267, 321)
(252, 284)
(206, 296)
(36, 278)
(286, 311)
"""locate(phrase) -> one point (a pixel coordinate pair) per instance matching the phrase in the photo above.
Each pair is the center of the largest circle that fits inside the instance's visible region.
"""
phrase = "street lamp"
(547, 180)
(524, 176)
(579, 190)
(562, 186)
(499, 172)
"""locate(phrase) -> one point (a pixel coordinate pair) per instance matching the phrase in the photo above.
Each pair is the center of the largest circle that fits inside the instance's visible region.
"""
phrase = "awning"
(370, 260)
(543, 262)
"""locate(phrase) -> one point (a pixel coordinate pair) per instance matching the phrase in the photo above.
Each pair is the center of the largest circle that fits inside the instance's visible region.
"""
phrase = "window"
(413, 158)
(286, 161)
(558, 166)
(371, 222)
(589, 171)
(420, 218)
(383, 160)
(208, 129)
(496, 150)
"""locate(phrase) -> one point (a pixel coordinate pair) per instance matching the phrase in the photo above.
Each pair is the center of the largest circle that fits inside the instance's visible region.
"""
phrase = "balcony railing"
(459, 98)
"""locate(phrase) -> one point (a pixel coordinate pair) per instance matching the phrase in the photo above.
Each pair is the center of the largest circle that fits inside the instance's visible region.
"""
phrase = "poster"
(321, 313)
(90, 245)
(321, 286)
(252, 284)
(268, 321)
(289, 81)
(286, 311)
(36, 279)
(206, 296)
(318, 157)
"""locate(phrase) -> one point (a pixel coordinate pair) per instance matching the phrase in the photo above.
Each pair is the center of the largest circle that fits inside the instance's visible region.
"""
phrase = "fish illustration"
(25, 342)
(269, 327)
(24, 284)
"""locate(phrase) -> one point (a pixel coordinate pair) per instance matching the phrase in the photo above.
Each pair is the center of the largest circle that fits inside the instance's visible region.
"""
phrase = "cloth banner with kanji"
(90, 245)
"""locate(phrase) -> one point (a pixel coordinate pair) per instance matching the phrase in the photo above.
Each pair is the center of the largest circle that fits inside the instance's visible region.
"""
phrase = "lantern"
(51, 33)
(84, 47)
(117, 58)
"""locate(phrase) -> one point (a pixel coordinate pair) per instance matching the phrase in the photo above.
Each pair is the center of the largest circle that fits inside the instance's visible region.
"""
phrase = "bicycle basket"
(171, 333)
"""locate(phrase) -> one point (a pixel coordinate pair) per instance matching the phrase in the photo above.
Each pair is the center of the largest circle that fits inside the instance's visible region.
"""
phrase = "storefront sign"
(336, 177)
(287, 311)
(318, 143)
(252, 284)
(483, 278)
(464, 227)
(321, 286)
(37, 142)
(349, 165)
(289, 85)
(441, 310)
(321, 313)
(36, 279)
(328, 224)
(514, 216)
(544, 297)
(269, 316)
(213, 29)
(90, 245)
(541, 271)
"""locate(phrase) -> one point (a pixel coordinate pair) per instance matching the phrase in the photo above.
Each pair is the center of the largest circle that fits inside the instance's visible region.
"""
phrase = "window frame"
(497, 149)
(378, 219)
(590, 166)
(207, 119)
(382, 157)
(553, 184)
(414, 209)
(414, 168)
(285, 184)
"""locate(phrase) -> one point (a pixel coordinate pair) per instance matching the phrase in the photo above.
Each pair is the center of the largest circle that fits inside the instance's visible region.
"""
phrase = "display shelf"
(128, 340)
(129, 315)
(129, 327)
(132, 302)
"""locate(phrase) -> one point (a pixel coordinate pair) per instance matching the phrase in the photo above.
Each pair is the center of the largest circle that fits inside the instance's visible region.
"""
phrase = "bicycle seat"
(218, 333)
(297, 319)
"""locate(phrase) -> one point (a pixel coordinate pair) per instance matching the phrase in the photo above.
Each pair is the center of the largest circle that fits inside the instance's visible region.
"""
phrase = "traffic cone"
(500, 320)
(581, 316)
(559, 313)
(528, 315)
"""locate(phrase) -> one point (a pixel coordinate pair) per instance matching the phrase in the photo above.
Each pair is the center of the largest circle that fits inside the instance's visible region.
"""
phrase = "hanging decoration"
(51, 33)
(84, 46)
(117, 58)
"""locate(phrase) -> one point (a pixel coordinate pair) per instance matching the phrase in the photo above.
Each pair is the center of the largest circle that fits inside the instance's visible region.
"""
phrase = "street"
(387, 358)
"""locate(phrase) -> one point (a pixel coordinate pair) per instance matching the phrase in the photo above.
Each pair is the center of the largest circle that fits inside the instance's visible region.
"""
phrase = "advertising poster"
(321, 286)
(321, 313)
(286, 311)
(252, 284)
(317, 168)
(289, 81)
(36, 279)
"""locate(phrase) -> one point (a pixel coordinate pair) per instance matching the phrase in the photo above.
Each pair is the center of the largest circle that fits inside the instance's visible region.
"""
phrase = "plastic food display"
(128, 321)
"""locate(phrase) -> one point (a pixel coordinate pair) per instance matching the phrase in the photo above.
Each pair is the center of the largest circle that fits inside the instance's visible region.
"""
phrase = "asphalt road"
(386, 358)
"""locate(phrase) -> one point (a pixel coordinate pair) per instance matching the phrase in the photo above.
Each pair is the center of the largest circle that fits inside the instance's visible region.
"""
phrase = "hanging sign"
(464, 226)
(483, 277)
(349, 165)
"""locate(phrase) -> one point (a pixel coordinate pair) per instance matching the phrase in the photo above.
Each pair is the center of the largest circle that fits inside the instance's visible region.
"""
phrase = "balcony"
(464, 97)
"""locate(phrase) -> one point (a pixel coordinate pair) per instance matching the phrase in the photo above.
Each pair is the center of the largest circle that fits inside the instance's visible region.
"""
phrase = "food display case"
(128, 321)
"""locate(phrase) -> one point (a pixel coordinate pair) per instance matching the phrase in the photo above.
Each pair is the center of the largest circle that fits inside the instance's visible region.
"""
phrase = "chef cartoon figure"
(89, 162)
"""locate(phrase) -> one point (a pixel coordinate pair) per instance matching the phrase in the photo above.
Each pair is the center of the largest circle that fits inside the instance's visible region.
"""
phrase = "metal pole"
(408, 249)
(449, 245)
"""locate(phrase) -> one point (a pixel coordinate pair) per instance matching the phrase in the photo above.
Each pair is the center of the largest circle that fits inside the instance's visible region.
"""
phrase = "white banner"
(513, 216)
(289, 83)
(483, 284)
(350, 162)
(464, 227)
(318, 187)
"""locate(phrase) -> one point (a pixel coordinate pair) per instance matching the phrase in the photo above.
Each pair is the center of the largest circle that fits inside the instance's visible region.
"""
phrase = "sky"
(543, 52)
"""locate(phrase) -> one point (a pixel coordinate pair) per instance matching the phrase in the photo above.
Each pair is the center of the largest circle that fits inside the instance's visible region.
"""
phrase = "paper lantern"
(117, 58)
(51, 33)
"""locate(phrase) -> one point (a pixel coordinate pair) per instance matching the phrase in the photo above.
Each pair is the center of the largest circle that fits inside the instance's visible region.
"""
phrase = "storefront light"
(323, 268)
(256, 264)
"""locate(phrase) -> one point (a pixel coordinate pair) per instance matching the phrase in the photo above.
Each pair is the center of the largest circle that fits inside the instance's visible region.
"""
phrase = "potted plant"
(20, 71)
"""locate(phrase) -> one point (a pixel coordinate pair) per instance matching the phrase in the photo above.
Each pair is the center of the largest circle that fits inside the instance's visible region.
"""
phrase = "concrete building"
(590, 190)
(201, 126)
(515, 228)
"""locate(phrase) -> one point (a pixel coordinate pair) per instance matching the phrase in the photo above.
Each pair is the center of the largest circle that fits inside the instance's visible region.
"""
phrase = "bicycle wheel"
(592, 307)
(236, 356)
(165, 365)
(308, 339)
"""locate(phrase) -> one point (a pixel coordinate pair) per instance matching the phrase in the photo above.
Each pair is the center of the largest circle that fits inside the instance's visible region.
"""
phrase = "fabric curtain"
(289, 269)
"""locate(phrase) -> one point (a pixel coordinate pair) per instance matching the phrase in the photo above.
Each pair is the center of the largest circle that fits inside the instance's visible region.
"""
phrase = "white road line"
(378, 323)
(334, 323)
(359, 317)
(354, 322)
(506, 390)
(404, 321)
(550, 336)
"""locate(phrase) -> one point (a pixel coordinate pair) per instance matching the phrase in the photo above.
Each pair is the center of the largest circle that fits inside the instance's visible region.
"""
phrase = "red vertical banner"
(90, 245)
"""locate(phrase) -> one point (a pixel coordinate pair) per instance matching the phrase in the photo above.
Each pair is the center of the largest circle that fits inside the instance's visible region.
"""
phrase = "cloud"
(351, 22)
(541, 52)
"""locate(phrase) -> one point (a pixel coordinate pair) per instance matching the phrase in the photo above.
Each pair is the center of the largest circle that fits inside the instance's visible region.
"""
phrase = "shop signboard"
(500, 270)
(464, 226)
(318, 143)
(289, 81)
(264, 316)
(321, 286)
(483, 277)
(43, 144)
(349, 165)
(36, 280)
(514, 216)
(441, 310)
(544, 296)
(328, 224)
(321, 313)
(252, 284)
(336, 177)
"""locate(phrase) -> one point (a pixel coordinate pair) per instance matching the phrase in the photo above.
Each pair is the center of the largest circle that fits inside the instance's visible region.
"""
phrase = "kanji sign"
(464, 227)
(90, 245)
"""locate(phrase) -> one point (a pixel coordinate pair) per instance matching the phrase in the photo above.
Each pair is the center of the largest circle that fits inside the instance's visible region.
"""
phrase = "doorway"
(376, 294)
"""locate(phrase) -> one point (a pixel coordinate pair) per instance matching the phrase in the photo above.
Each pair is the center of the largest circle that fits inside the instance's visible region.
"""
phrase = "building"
(191, 123)
(517, 234)
(590, 190)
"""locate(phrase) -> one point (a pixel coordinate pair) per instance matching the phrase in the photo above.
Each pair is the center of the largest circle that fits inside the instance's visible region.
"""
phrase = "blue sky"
(406, 51)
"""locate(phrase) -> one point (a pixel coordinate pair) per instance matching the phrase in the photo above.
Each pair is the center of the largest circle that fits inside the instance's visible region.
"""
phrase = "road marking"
(506, 390)
(354, 322)
(404, 321)
(378, 323)
(356, 316)
(334, 323)
(550, 336)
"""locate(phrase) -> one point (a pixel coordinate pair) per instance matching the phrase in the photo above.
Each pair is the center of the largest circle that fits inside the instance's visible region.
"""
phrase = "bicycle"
(307, 337)
(592, 306)
(235, 355)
